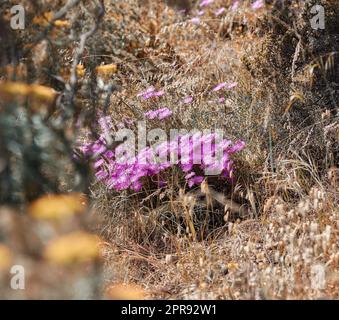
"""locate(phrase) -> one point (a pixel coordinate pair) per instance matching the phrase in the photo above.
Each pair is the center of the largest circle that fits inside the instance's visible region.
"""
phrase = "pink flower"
(219, 86)
(190, 175)
(150, 92)
(182, 11)
(235, 5)
(160, 114)
(220, 11)
(119, 170)
(200, 13)
(98, 163)
(109, 154)
(225, 144)
(151, 114)
(257, 4)
(105, 123)
(195, 180)
(162, 183)
(137, 186)
(98, 149)
(100, 175)
(224, 84)
(128, 121)
(148, 95)
(164, 113)
(158, 93)
(232, 85)
(205, 3)
(186, 167)
(236, 147)
(195, 20)
(188, 99)
(222, 99)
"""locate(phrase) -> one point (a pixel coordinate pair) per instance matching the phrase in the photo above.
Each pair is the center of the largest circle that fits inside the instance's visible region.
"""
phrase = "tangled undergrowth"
(254, 70)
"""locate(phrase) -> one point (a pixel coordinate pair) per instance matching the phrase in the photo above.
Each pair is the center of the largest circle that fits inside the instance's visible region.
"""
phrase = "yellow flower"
(45, 19)
(19, 90)
(62, 24)
(106, 70)
(76, 247)
(5, 257)
(125, 292)
(14, 89)
(80, 71)
(42, 93)
(55, 207)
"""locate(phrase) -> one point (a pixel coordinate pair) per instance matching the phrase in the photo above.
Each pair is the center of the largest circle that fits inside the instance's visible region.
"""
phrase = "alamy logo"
(18, 17)
(18, 278)
(318, 21)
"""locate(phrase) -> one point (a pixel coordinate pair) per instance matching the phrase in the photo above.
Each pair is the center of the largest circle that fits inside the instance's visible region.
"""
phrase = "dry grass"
(288, 252)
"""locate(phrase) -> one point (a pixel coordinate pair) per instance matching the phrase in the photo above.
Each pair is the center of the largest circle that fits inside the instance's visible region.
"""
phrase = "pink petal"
(109, 154)
(220, 11)
(232, 85)
(205, 3)
(219, 86)
(164, 114)
(236, 147)
(160, 114)
(151, 114)
(235, 5)
(98, 163)
(137, 186)
(195, 180)
(195, 20)
(190, 175)
(148, 95)
(225, 84)
(182, 11)
(257, 4)
(188, 99)
(148, 91)
(100, 175)
(158, 93)
(162, 183)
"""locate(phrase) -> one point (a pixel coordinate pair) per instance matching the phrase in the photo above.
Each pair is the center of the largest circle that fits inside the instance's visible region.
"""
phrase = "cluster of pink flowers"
(194, 154)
